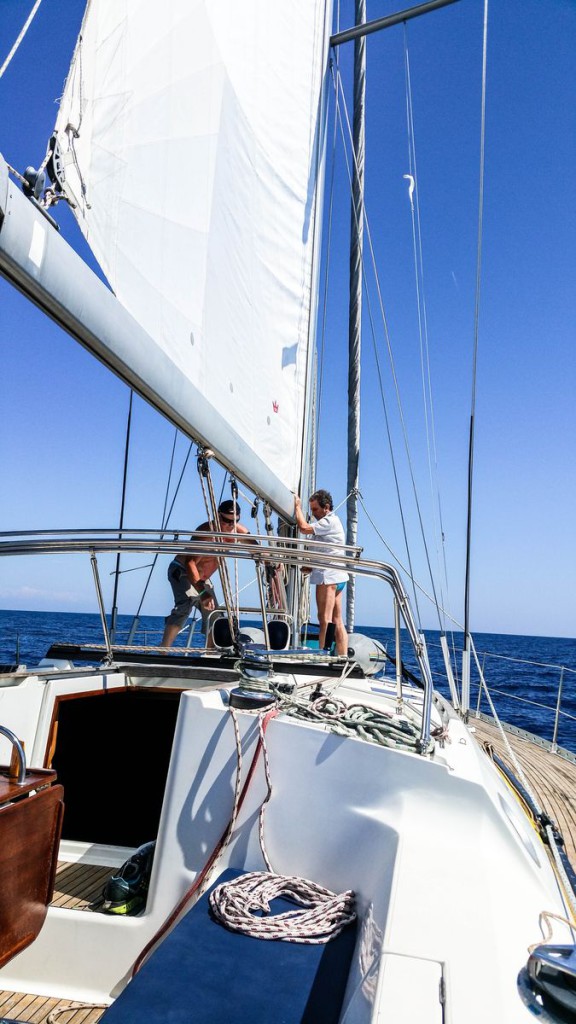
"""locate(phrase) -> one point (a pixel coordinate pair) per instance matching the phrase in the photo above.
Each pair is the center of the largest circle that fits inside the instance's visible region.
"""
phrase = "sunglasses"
(224, 519)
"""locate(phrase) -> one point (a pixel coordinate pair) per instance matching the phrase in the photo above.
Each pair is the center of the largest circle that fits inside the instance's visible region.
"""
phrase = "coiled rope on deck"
(237, 904)
(321, 914)
(358, 720)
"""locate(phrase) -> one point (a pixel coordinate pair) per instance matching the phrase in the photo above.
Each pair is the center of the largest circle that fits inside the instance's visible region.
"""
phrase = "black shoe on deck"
(125, 893)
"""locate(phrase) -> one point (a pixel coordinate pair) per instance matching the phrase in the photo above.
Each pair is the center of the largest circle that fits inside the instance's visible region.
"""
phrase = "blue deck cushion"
(204, 974)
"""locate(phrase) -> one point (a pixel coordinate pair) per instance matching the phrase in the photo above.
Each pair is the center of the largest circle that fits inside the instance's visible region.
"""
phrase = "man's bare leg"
(325, 598)
(339, 627)
(170, 634)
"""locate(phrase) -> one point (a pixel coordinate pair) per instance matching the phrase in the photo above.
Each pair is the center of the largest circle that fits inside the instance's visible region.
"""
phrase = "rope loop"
(243, 905)
(329, 707)
(356, 720)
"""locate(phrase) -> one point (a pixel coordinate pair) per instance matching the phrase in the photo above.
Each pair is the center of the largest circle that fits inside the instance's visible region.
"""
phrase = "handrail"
(533, 703)
(277, 550)
(9, 543)
(19, 753)
(273, 549)
(526, 661)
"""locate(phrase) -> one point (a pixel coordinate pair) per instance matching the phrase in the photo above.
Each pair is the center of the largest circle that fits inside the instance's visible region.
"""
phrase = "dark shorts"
(183, 602)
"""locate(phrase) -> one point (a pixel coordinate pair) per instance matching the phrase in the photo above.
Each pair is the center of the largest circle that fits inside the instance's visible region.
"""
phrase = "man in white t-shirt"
(329, 582)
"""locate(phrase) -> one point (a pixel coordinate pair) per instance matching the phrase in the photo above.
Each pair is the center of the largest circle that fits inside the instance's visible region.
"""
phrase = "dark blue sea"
(523, 673)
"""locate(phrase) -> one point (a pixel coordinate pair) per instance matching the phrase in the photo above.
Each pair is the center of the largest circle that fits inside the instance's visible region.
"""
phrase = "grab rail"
(19, 749)
(290, 552)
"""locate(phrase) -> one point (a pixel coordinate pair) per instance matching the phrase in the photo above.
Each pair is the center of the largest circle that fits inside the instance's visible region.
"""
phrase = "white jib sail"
(190, 135)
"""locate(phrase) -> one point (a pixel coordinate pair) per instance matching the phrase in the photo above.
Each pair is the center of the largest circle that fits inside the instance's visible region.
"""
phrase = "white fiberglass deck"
(447, 871)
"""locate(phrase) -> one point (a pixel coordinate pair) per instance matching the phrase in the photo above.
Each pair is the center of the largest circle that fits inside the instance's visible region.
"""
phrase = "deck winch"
(548, 983)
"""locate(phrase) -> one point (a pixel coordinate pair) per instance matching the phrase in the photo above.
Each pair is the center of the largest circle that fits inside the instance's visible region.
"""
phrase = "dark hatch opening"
(112, 755)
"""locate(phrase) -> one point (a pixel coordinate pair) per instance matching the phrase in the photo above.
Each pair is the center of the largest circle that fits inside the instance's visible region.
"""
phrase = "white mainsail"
(191, 146)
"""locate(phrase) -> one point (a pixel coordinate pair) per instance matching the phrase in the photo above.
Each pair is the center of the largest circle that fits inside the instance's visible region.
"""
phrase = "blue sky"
(62, 416)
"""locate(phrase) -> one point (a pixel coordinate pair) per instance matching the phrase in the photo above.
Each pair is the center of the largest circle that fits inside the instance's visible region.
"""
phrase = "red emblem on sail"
(275, 406)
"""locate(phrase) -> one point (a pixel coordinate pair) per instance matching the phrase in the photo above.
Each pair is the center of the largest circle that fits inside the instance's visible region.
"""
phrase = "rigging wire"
(338, 87)
(23, 32)
(406, 570)
(396, 387)
(234, 492)
(320, 375)
(466, 673)
(542, 818)
(276, 592)
(388, 431)
(427, 391)
(114, 615)
(211, 505)
(165, 519)
(166, 514)
(327, 269)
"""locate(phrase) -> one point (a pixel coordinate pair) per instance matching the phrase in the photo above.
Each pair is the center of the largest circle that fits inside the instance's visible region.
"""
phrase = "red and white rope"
(238, 904)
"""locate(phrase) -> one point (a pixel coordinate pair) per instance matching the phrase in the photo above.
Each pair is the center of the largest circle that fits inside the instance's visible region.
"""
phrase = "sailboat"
(407, 878)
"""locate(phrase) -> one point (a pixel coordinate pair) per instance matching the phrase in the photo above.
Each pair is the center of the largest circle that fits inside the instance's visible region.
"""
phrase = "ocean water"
(523, 673)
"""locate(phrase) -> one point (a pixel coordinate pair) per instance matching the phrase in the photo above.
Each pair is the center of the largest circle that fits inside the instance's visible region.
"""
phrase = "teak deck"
(552, 777)
(79, 886)
(37, 1010)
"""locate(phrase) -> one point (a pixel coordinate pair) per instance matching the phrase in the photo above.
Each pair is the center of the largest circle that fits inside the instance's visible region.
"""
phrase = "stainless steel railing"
(257, 548)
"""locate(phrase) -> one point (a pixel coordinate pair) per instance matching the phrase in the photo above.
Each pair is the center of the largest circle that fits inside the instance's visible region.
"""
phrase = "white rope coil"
(235, 904)
(358, 720)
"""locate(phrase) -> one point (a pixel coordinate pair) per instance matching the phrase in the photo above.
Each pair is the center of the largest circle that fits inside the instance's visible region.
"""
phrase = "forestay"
(191, 145)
